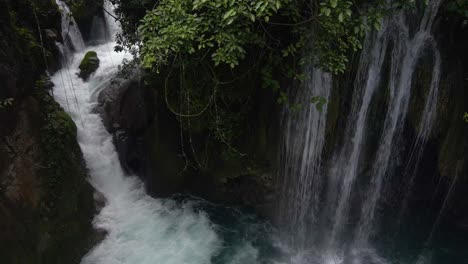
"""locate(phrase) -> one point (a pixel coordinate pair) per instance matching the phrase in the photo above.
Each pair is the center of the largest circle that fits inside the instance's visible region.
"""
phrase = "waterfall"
(71, 34)
(344, 170)
(424, 130)
(304, 137)
(317, 193)
(113, 26)
(98, 32)
(406, 52)
(314, 188)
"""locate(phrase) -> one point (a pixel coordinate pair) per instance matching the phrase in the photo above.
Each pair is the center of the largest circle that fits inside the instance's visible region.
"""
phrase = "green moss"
(25, 44)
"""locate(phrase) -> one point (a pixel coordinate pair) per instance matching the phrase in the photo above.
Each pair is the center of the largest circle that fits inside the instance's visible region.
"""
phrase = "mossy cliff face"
(46, 204)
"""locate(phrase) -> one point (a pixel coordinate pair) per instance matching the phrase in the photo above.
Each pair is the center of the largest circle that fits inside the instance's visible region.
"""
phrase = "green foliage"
(460, 7)
(78, 8)
(465, 117)
(340, 30)
(84, 8)
(224, 30)
(25, 36)
(319, 102)
(219, 28)
(268, 80)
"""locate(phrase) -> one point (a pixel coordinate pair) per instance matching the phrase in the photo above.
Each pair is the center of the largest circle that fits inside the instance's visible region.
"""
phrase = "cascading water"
(406, 52)
(71, 34)
(344, 171)
(306, 198)
(424, 130)
(140, 229)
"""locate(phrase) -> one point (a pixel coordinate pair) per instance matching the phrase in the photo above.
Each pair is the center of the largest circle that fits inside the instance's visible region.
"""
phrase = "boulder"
(127, 112)
(88, 65)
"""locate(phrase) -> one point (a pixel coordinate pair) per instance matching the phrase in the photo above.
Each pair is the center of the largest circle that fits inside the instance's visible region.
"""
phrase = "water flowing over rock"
(71, 34)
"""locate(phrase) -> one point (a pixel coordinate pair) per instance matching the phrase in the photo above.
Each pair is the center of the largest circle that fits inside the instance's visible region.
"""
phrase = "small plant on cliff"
(459, 7)
(6, 103)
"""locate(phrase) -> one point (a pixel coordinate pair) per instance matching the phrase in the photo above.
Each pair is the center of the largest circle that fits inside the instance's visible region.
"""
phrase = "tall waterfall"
(312, 191)
(406, 52)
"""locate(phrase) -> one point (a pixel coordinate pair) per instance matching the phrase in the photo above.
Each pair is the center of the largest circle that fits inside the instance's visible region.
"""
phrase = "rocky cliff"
(46, 204)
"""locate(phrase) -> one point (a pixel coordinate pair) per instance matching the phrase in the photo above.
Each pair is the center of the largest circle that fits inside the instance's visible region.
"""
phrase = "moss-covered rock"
(47, 202)
(88, 65)
(67, 207)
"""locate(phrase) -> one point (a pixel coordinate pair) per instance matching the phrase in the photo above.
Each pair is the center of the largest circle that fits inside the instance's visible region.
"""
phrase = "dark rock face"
(46, 204)
(84, 12)
(148, 140)
(88, 65)
(127, 112)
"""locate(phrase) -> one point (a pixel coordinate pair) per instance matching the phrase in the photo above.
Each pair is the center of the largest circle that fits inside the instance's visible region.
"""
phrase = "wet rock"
(126, 110)
(88, 65)
(84, 11)
(51, 35)
(45, 83)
